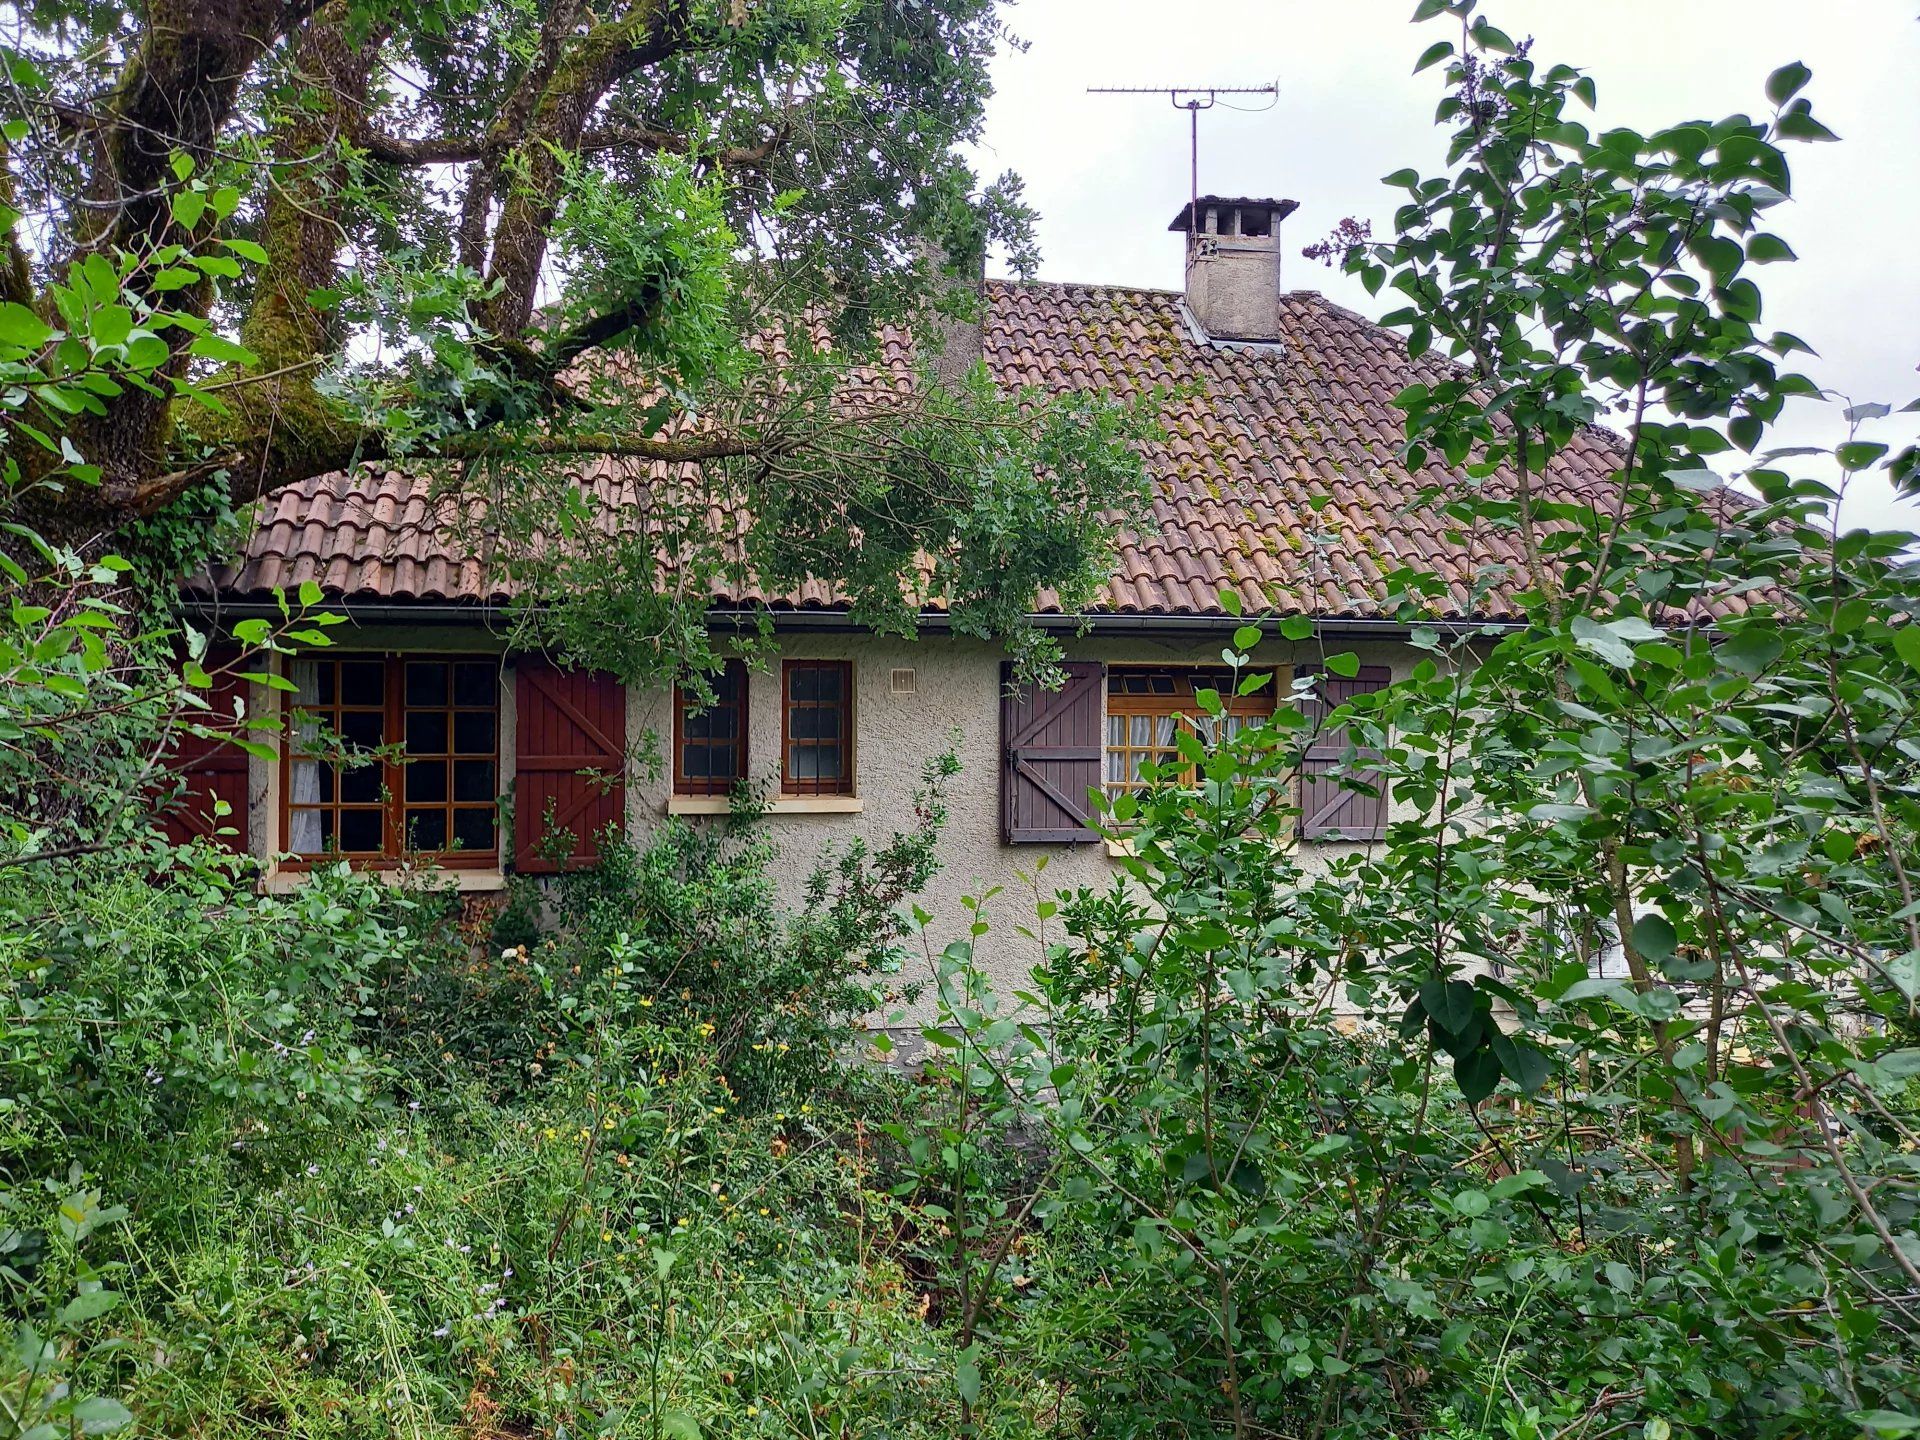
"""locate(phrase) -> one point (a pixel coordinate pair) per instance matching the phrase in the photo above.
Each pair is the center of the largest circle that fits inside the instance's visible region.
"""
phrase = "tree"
(256, 240)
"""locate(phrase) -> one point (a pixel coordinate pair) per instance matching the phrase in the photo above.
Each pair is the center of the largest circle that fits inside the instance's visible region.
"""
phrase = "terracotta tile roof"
(1278, 474)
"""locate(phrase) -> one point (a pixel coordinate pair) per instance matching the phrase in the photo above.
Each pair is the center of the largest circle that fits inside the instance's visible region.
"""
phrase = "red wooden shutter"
(1328, 809)
(570, 762)
(211, 769)
(1051, 747)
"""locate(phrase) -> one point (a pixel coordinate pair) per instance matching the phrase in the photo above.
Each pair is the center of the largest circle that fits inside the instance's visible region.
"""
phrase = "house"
(1278, 477)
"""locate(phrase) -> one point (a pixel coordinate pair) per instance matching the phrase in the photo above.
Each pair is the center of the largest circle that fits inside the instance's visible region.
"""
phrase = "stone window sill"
(783, 805)
(284, 880)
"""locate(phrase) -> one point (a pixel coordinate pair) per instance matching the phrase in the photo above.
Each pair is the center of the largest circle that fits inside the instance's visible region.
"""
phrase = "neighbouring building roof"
(1278, 474)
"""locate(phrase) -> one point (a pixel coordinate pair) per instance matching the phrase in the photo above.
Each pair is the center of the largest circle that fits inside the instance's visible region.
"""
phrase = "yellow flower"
(752, 1410)
(605, 1236)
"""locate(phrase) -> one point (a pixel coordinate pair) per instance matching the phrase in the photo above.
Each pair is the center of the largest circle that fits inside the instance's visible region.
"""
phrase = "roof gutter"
(840, 622)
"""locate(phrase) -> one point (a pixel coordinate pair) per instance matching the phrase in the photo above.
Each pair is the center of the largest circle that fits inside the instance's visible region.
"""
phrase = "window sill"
(283, 880)
(782, 805)
(1120, 849)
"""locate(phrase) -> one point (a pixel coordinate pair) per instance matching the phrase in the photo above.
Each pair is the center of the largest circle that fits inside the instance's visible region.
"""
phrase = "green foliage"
(1590, 1085)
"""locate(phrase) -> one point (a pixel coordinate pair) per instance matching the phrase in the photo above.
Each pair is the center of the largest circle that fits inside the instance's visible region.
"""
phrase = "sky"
(1107, 173)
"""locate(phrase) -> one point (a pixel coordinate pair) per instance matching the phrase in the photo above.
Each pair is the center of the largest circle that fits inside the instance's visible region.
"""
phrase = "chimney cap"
(1279, 209)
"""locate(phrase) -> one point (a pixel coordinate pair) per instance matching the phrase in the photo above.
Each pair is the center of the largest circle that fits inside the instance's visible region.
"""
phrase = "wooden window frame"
(684, 784)
(393, 804)
(1177, 703)
(798, 786)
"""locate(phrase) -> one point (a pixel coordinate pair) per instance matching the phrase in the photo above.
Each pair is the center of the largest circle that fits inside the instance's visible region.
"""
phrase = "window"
(816, 727)
(429, 780)
(1146, 707)
(710, 745)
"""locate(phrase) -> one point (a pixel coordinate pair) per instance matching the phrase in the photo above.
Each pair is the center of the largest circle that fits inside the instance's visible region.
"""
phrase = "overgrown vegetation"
(1586, 1103)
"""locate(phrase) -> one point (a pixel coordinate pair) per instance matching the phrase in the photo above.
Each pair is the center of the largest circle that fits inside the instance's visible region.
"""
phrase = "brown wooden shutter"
(1050, 744)
(211, 769)
(1329, 810)
(570, 762)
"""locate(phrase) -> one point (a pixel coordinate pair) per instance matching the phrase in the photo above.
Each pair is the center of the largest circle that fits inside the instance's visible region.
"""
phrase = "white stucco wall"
(956, 698)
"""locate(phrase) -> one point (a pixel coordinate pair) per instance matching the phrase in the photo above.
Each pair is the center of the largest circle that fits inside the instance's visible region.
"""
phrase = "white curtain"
(303, 826)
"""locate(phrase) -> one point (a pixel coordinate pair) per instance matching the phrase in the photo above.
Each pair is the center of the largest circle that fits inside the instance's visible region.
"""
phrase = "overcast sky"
(1108, 172)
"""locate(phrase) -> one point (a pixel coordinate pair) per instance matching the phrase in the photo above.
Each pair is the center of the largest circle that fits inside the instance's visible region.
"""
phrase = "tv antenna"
(1196, 98)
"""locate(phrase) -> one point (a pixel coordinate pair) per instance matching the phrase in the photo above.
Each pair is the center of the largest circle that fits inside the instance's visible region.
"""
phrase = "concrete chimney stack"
(1233, 264)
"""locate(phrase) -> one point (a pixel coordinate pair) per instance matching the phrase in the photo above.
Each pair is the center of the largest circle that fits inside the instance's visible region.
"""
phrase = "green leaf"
(1751, 651)
(1346, 664)
(1764, 248)
(1433, 55)
(1477, 1073)
(1886, 1422)
(679, 1424)
(219, 348)
(1450, 1003)
(188, 206)
(1246, 637)
(20, 326)
(1296, 627)
(966, 1376)
(1230, 600)
(1654, 937)
(1525, 1064)
(1906, 643)
(100, 1415)
(1786, 82)
(1859, 454)
(247, 250)
(112, 324)
(90, 1306)
(1471, 1203)
(1799, 124)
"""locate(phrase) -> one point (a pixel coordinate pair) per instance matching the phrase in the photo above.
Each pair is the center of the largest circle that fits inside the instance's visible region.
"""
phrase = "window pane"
(426, 829)
(426, 779)
(359, 832)
(307, 831)
(473, 829)
(473, 780)
(473, 732)
(362, 682)
(427, 732)
(360, 785)
(803, 683)
(812, 723)
(305, 789)
(364, 729)
(815, 762)
(1142, 727)
(694, 762)
(306, 676)
(829, 682)
(426, 683)
(476, 683)
(728, 684)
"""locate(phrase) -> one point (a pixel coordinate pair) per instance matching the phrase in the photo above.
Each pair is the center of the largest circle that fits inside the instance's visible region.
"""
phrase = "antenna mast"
(1198, 98)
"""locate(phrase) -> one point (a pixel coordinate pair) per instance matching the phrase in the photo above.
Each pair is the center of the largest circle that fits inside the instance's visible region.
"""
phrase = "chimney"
(1233, 264)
